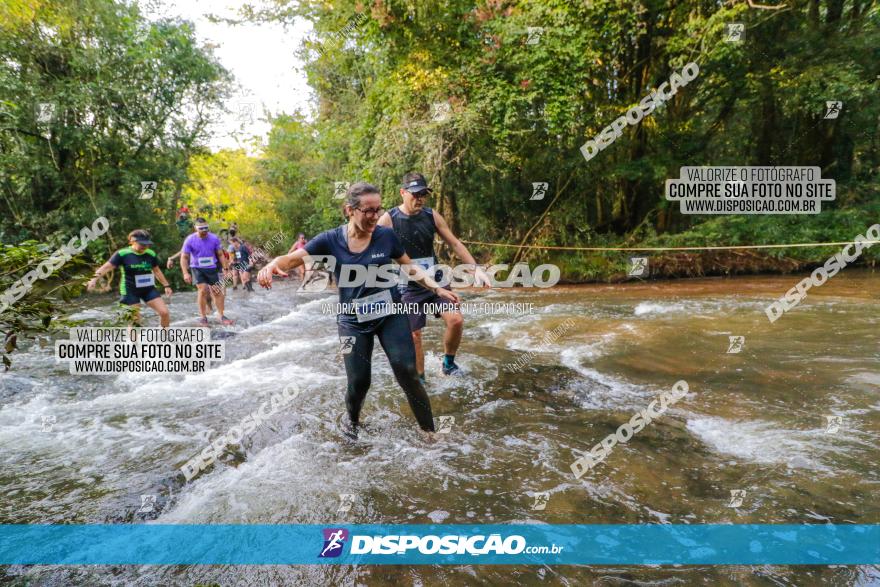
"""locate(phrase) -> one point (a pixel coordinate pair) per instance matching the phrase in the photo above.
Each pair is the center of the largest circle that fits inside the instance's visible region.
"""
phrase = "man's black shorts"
(207, 276)
(135, 296)
(422, 297)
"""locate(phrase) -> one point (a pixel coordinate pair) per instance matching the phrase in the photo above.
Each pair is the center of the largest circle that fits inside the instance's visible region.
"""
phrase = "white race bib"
(424, 262)
(206, 261)
(145, 280)
(375, 306)
(238, 254)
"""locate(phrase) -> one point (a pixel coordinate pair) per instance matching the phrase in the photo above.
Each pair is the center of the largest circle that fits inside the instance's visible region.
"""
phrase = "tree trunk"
(835, 9)
(813, 14)
(766, 131)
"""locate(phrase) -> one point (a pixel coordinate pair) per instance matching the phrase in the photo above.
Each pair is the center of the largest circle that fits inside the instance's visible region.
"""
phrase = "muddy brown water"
(83, 449)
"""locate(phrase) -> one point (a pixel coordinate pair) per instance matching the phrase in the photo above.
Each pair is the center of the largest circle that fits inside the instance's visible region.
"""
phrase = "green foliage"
(35, 311)
(129, 101)
(133, 99)
(520, 111)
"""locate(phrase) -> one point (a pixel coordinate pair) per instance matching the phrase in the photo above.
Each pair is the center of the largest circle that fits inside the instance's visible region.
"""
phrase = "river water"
(790, 423)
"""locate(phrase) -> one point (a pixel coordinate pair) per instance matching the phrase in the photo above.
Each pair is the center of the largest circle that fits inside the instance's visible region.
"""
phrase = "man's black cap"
(141, 237)
(415, 183)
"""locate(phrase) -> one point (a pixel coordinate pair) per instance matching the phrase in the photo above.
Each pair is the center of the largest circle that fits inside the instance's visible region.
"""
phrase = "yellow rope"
(708, 248)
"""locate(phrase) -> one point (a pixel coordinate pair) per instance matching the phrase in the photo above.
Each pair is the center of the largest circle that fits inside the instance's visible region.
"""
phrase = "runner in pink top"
(300, 244)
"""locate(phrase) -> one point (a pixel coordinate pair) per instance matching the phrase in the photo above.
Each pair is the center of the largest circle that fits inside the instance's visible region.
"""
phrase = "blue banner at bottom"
(440, 544)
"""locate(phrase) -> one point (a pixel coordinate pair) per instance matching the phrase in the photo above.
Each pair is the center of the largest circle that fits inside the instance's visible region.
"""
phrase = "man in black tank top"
(415, 225)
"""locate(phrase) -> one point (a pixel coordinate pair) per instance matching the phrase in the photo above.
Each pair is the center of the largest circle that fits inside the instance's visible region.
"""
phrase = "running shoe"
(226, 321)
(203, 321)
(348, 428)
(451, 368)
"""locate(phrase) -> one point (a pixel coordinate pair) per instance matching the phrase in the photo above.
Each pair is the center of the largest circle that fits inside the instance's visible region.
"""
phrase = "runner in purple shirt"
(202, 253)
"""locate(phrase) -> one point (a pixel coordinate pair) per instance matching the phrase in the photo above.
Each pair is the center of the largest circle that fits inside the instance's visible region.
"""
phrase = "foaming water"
(760, 442)
(84, 449)
(656, 308)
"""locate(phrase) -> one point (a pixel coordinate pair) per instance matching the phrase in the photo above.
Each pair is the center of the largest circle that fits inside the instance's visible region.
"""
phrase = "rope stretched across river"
(704, 248)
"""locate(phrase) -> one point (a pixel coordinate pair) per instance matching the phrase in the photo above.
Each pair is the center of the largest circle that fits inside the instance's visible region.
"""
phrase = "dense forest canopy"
(522, 85)
(95, 100)
(486, 98)
(123, 100)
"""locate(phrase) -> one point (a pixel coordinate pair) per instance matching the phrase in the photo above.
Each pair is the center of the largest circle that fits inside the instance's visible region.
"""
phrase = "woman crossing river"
(368, 308)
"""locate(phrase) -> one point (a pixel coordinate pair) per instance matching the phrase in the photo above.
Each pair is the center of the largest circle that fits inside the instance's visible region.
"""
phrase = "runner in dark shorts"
(368, 309)
(170, 264)
(241, 263)
(416, 225)
(202, 253)
(426, 302)
(206, 276)
(140, 271)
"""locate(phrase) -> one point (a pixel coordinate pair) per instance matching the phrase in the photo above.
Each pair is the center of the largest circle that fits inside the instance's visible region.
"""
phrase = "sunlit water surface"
(756, 420)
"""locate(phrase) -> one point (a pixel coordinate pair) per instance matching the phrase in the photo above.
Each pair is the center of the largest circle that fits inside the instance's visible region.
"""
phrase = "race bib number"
(375, 306)
(206, 261)
(238, 254)
(146, 280)
(424, 262)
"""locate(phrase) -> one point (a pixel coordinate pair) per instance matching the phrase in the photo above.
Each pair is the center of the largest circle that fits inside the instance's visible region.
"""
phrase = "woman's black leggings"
(395, 337)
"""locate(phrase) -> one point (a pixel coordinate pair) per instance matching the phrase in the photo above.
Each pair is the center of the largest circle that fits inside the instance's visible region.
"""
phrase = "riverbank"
(590, 258)
(711, 264)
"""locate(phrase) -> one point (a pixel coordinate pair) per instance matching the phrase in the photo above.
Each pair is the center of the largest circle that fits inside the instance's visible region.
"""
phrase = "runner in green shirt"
(140, 271)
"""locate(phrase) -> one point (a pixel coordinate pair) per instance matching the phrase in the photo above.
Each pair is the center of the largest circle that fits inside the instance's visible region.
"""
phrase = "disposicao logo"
(334, 540)
(432, 544)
